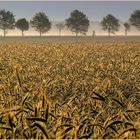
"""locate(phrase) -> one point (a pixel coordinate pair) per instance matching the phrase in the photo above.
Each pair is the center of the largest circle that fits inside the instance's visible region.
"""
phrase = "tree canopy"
(77, 22)
(135, 19)
(41, 23)
(110, 24)
(7, 20)
(22, 24)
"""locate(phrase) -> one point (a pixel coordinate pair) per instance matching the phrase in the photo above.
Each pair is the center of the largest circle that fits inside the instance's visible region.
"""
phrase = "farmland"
(68, 39)
(56, 89)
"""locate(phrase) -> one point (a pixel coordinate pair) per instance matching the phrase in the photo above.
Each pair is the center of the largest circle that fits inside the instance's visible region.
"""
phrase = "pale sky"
(60, 10)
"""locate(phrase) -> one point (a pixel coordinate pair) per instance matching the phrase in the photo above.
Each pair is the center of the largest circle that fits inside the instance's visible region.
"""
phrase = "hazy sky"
(60, 10)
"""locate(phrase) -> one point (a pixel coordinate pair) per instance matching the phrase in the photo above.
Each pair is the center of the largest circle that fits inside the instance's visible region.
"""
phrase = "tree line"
(77, 22)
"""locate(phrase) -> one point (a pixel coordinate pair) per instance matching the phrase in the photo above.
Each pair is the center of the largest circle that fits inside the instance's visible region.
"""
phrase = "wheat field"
(69, 90)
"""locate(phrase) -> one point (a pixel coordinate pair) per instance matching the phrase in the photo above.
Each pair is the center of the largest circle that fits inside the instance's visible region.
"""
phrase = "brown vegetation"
(83, 90)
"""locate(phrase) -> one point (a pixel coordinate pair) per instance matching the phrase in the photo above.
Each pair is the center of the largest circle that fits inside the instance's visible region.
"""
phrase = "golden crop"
(69, 90)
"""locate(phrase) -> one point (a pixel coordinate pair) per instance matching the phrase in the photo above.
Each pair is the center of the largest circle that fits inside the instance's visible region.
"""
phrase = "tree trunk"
(22, 34)
(40, 34)
(125, 32)
(109, 33)
(4, 32)
(59, 32)
(76, 37)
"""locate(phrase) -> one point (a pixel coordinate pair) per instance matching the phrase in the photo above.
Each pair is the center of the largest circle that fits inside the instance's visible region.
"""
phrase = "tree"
(127, 27)
(23, 25)
(110, 23)
(41, 23)
(77, 22)
(135, 19)
(60, 26)
(7, 21)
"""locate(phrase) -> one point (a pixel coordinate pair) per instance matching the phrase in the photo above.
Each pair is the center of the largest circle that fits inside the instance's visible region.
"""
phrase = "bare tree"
(60, 26)
(127, 27)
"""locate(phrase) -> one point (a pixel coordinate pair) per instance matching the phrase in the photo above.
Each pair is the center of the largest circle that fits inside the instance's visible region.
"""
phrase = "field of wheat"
(69, 90)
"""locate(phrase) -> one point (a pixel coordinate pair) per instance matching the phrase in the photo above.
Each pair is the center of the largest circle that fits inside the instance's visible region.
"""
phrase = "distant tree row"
(78, 23)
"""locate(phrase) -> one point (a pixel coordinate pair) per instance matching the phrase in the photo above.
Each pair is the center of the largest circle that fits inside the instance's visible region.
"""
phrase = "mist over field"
(94, 25)
(58, 11)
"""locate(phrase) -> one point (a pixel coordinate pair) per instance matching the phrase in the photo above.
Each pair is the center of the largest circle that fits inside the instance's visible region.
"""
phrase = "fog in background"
(58, 11)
